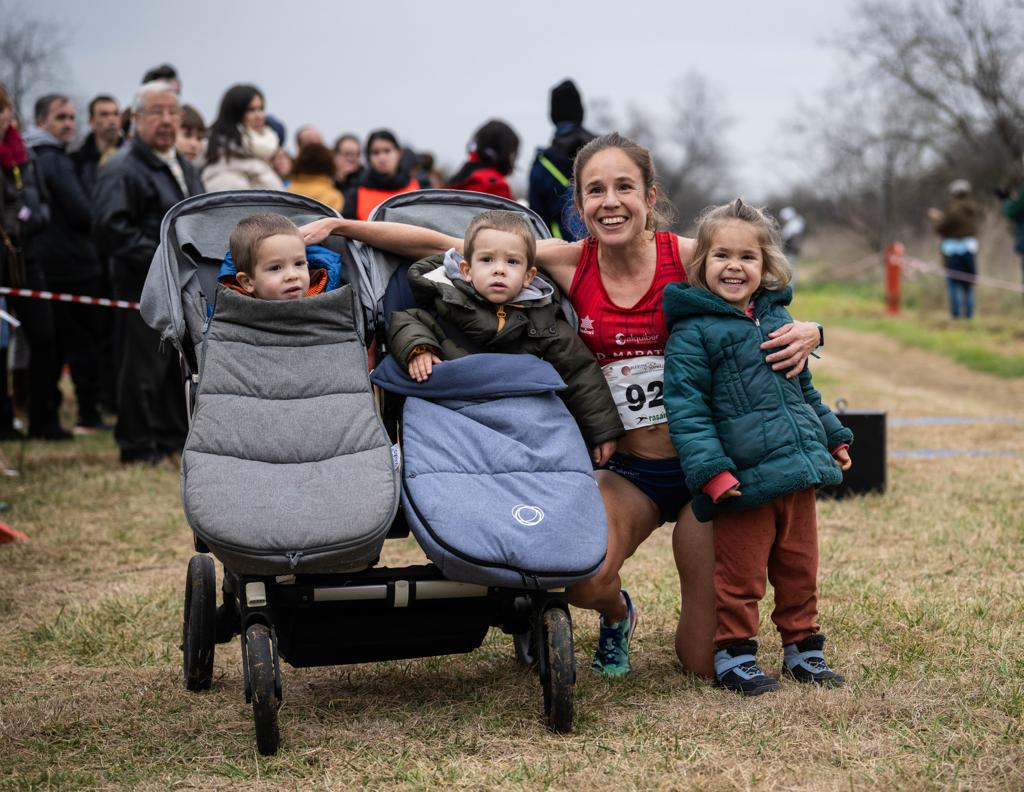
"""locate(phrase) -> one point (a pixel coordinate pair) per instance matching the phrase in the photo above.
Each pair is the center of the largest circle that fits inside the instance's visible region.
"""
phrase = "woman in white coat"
(241, 144)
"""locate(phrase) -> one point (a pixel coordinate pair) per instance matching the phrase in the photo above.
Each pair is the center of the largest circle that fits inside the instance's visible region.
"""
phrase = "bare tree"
(30, 52)
(688, 144)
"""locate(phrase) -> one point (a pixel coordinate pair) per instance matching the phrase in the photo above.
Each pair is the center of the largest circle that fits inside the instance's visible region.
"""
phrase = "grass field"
(922, 599)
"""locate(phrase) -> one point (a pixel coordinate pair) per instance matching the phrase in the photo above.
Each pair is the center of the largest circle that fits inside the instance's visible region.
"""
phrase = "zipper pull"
(501, 317)
(293, 558)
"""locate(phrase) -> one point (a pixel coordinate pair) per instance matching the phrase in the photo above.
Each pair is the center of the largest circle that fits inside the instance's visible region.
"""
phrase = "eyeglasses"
(159, 112)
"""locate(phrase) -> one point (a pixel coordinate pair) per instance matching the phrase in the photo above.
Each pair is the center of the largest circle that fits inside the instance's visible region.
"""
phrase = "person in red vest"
(386, 175)
(492, 156)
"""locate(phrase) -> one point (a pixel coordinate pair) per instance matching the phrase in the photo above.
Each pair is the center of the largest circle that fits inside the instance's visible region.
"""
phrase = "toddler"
(269, 258)
(753, 444)
(493, 300)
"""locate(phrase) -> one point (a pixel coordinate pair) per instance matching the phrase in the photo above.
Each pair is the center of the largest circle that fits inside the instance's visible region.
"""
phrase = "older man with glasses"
(133, 193)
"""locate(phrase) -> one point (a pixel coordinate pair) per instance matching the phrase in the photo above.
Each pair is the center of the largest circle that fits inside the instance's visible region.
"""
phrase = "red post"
(893, 257)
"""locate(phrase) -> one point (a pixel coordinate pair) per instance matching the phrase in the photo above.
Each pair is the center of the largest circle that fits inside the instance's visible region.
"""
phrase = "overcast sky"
(434, 71)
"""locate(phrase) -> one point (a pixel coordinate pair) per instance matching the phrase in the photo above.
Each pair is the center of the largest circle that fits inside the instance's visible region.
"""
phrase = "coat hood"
(37, 136)
(683, 299)
(446, 272)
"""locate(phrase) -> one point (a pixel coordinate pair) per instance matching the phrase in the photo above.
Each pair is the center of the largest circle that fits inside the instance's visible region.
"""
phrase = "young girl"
(753, 444)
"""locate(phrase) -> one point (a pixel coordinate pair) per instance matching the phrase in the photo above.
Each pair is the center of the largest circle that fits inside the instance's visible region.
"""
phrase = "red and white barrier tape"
(914, 266)
(70, 298)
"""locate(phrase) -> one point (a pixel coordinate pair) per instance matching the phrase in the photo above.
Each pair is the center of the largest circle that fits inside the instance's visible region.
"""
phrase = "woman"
(241, 144)
(492, 156)
(615, 278)
(313, 175)
(386, 175)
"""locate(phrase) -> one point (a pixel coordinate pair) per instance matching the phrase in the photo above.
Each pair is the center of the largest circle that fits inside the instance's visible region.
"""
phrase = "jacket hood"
(538, 292)
(36, 136)
(683, 299)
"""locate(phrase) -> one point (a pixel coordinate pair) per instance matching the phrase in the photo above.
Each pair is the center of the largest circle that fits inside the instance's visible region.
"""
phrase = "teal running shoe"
(611, 659)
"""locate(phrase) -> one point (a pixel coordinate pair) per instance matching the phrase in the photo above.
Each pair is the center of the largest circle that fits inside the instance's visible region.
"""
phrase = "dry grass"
(922, 598)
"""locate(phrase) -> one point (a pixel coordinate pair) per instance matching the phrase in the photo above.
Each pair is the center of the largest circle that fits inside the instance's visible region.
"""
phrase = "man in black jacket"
(66, 254)
(133, 192)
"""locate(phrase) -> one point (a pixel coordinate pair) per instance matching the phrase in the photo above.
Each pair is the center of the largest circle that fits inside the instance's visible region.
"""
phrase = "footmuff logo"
(528, 515)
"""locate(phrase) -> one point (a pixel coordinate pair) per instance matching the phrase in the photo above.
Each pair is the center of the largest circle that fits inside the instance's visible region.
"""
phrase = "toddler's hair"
(501, 220)
(191, 121)
(245, 239)
(775, 269)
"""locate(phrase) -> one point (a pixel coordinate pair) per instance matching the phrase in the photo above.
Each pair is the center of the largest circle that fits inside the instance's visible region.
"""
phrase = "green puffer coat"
(460, 322)
(727, 409)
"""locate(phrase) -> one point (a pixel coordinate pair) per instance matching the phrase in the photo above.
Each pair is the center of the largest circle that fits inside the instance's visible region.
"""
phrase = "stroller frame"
(378, 613)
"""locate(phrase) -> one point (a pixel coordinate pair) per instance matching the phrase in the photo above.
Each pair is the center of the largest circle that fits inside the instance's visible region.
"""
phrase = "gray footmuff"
(287, 467)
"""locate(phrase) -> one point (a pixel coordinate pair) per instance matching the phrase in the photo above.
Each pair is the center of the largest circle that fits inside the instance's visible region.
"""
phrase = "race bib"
(637, 384)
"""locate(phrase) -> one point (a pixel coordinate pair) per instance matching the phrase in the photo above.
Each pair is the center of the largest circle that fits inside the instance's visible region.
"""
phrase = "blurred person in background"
(133, 193)
(348, 165)
(22, 213)
(387, 174)
(550, 193)
(492, 157)
(241, 145)
(305, 134)
(312, 175)
(191, 140)
(102, 142)
(957, 224)
(164, 72)
(65, 251)
(1012, 207)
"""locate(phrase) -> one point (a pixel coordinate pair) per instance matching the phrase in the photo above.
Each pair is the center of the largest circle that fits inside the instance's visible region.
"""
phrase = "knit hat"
(566, 103)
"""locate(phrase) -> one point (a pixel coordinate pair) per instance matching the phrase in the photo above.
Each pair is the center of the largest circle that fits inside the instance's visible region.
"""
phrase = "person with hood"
(241, 144)
(65, 252)
(550, 193)
(492, 156)
(493, 300)
(957, 225)
(387, 174)
(22, 212)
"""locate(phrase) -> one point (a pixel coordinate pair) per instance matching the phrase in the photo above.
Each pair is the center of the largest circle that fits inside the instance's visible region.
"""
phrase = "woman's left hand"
(794, 342)
(316, 232)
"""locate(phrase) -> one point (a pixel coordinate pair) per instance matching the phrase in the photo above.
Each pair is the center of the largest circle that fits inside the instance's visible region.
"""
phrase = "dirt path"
(873, 372)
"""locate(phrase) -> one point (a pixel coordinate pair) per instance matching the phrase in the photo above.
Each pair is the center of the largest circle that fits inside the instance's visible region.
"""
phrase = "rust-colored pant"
(781, 538)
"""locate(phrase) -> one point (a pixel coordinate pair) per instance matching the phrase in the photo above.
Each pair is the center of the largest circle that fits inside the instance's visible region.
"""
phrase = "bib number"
(637, 386)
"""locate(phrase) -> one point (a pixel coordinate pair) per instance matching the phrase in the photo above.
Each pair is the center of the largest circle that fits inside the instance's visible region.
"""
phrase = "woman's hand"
(316, 232)
(794, 342)
(603, 452)
(421, 365)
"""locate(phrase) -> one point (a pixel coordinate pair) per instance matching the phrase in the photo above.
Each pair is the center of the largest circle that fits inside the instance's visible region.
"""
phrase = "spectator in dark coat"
(134, 192)
(957, 224)
(550, 193)
(66, 254)
(102, 142)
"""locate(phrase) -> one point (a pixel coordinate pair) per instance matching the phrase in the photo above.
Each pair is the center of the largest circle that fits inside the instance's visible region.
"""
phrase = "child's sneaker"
(736, 669)
(805, 662)
(611, 658)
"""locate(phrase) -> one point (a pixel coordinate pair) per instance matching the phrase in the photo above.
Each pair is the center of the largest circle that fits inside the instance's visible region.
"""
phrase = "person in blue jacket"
(753, 444)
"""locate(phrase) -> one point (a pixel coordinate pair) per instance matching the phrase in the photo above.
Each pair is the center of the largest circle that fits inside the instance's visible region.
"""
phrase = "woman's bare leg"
(632, 517)
(694, 549)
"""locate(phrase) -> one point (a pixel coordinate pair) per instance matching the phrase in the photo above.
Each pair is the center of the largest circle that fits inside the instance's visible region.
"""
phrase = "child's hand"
(421, 365)
(603, 451)
(732, 492)
(842, 457)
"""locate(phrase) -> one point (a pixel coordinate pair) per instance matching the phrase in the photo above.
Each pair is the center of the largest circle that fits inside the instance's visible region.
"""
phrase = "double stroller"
(297, 469)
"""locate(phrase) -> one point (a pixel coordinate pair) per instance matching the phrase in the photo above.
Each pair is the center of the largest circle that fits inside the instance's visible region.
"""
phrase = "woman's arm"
(558, 259)
(405, 240)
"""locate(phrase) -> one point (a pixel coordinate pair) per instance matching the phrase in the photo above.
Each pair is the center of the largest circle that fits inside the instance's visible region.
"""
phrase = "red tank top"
(612, 331)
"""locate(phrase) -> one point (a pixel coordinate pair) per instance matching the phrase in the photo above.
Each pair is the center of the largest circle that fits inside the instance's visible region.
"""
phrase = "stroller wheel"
(259, 658)
(197, 638)
(559, 674)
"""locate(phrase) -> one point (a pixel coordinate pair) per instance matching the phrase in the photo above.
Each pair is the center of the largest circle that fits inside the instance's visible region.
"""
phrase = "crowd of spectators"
(84, 218)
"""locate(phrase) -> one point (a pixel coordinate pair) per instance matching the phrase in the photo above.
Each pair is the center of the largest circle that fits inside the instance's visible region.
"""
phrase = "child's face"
(189, 143)
(735, 263)
(500, 268)
(281, 271)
